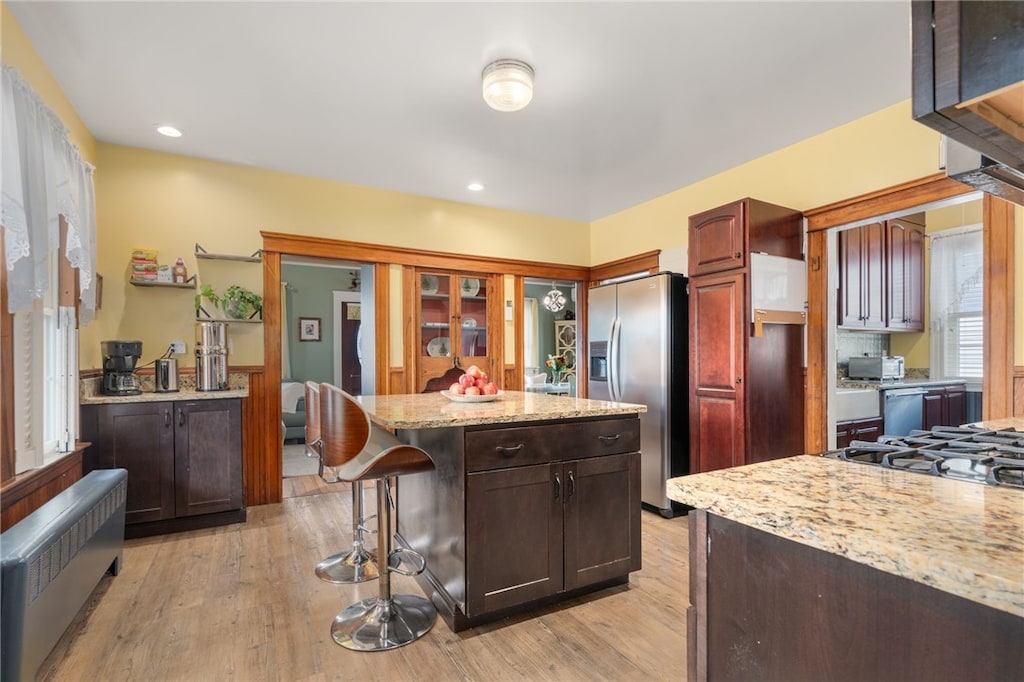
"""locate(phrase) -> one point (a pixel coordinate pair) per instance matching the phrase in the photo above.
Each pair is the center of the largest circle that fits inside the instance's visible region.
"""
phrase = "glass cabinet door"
(436, 315)
(472, 318)
(453, 314)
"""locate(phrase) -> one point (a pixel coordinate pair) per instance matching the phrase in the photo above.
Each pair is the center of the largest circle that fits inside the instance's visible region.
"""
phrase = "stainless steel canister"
(166, 379)
(211, 356)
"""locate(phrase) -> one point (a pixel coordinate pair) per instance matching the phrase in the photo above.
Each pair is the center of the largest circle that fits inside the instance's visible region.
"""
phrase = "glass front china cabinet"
(453, 316)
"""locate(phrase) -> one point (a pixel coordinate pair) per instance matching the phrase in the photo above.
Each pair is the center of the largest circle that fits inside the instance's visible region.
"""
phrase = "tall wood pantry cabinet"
(746, 391)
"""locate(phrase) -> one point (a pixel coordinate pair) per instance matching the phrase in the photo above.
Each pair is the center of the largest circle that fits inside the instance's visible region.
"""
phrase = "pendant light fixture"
(507, 84)
(554, 300)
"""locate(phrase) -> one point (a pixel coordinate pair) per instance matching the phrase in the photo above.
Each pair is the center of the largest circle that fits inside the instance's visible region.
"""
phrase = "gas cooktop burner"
(989, 457)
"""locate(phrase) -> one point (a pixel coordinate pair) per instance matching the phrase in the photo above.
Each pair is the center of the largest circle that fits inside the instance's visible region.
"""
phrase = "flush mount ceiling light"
(475, 187)
(169, 131)
(508, 84)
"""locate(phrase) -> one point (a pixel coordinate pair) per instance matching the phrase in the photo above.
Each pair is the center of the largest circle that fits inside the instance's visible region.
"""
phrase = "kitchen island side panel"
(777, 609)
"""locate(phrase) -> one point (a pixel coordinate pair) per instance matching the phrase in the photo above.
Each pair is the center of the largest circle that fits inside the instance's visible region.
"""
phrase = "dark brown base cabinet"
(767, 608)
(858, 429)
(505, 528)
(184, 461)
(945, 406)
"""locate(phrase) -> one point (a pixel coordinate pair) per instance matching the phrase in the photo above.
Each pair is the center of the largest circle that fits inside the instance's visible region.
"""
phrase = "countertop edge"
(869, 547)
(152, 397)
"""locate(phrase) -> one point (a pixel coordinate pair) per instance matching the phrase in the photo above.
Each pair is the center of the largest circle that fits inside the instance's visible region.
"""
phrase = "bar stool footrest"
(409, 557)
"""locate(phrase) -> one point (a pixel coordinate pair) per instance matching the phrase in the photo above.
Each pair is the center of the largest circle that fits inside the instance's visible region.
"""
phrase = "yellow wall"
(168, 202)
(871, 153)
(18, 52)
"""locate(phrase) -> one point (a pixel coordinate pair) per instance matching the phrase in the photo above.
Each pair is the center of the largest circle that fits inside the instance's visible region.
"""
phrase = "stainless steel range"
(981, 456)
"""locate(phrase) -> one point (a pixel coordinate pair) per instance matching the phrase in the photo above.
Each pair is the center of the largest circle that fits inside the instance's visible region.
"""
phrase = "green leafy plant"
(206, 292)
(240, 303)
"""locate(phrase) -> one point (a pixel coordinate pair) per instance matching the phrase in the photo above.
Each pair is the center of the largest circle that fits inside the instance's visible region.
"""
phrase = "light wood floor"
(242, 603)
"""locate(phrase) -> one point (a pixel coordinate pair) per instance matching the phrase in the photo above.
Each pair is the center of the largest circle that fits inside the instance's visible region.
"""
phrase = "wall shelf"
(190, 283)
(256, 257)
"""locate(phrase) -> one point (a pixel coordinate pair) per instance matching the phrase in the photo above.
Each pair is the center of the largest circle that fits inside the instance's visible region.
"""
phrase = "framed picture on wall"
(309, 329)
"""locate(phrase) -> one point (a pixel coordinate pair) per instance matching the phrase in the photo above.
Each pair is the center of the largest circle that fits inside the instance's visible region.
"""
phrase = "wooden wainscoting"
(261, 441)
(23, 494)
(1018, 391)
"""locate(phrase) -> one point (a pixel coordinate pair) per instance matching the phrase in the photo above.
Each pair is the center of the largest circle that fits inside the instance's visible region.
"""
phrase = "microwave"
(876, 367)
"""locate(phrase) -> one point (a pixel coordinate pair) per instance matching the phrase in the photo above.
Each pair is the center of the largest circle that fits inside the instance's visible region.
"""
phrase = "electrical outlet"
(178, 347)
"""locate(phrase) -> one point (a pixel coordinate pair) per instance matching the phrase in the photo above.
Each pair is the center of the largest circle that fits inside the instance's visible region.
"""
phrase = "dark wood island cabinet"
(535, 498)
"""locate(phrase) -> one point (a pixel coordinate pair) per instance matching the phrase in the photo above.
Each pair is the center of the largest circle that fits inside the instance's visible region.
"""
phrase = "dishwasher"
(902, 410)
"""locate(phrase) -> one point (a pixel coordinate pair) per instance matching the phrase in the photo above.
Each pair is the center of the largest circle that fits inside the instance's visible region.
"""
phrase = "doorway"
(550, 338)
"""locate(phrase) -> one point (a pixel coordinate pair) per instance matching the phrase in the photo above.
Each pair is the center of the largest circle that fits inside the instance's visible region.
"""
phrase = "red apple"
(466, 380)
(472, 390)
(491, 388)
(457, 388)
(481, 382)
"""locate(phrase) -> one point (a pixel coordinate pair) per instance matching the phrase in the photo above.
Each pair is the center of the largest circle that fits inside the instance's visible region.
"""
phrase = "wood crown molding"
(625, 266)
(905, 196)
(376, 253)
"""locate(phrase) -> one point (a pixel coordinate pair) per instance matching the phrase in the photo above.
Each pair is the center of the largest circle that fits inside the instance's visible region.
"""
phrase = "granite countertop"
(151, 397)
(962, 538)
(880, 385)
(433, 410)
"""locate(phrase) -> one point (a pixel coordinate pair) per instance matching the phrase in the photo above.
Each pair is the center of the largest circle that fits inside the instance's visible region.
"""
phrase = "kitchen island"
(534, 498)
(815, 568)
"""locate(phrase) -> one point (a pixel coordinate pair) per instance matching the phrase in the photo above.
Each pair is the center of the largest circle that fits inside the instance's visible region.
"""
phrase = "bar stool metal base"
(349, 567)
(377, 624)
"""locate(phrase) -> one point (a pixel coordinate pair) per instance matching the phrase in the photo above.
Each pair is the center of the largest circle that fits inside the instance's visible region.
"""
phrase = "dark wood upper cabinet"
(968, 74)
(881, 275)
(721, 239)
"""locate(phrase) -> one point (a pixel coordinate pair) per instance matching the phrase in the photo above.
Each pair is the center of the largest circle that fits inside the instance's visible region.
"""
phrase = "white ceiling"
(632, 100)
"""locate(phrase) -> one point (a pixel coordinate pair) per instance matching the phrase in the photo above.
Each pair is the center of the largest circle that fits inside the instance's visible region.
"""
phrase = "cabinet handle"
(558, 487)
(167, 418)
(181, 417)
(739, 254)
(610, 439)
(739, 380)
(572, 486)
(509, 450)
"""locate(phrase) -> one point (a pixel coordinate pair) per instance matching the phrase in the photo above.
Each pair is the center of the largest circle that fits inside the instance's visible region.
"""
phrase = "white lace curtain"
(44, 177)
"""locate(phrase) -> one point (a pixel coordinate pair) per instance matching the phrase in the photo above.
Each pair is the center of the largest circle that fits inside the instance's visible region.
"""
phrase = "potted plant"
(206, 291)
(240, 303)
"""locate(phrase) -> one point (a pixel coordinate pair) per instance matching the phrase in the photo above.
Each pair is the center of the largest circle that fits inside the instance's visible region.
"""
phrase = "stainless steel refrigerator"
(637, 352)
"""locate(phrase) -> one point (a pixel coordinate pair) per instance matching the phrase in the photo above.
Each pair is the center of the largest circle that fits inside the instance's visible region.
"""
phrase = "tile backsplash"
(852, 344)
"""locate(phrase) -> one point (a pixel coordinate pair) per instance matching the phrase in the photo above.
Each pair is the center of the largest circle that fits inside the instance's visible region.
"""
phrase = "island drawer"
(525, 445)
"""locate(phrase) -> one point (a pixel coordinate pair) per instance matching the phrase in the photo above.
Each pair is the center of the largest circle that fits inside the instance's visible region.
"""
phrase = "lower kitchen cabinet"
(858, 429)
(538, 530)
(184, 460)
(519, 516)
(945, 406)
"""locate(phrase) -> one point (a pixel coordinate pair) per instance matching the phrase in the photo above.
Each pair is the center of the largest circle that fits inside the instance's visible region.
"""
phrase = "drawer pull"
(609, 439)
(558, 487)
(509, 450)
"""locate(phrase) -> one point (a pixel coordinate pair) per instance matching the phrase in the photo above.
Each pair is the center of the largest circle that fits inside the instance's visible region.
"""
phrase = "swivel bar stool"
(356, 450)
(358, 564)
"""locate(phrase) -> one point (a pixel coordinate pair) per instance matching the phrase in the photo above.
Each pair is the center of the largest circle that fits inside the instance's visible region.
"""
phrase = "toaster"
(876, 367)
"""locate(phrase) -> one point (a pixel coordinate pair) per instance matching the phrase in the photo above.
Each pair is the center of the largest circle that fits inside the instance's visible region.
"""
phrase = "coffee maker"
(119, 358)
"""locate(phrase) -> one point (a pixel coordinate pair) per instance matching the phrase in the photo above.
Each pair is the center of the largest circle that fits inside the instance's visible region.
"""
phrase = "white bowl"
(536, 379)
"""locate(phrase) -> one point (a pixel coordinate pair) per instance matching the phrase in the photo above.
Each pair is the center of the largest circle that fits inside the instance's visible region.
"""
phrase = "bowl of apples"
(472, 387)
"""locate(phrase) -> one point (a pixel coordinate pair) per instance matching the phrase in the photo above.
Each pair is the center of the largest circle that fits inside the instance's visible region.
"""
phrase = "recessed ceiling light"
(474, 187)
(169, 131)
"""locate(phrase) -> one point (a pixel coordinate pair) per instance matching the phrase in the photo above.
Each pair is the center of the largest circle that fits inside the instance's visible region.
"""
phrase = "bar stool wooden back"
(355, 450)
(358, 564)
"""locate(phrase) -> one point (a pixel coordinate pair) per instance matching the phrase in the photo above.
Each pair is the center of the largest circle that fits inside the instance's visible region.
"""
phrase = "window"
(45, 373)
(956, 304)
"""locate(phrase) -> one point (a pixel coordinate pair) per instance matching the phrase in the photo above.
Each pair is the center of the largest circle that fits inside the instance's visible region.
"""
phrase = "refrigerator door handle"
(613, 360)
